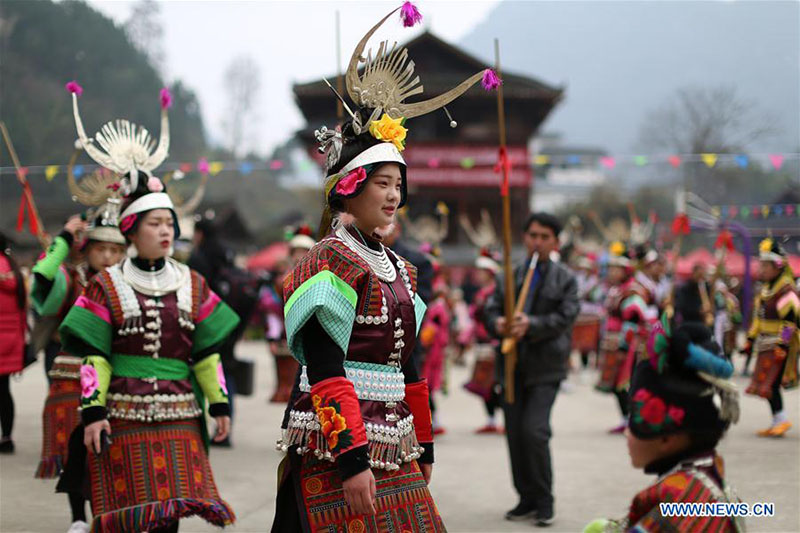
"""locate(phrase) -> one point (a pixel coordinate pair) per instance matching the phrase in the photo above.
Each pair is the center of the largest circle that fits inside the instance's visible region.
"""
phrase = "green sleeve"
(95, 378)
(47, 301)
(215, 328)
(211, 379)
(56, 254)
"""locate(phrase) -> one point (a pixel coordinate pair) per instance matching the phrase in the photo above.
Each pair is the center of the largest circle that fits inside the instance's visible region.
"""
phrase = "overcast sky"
(292, 41)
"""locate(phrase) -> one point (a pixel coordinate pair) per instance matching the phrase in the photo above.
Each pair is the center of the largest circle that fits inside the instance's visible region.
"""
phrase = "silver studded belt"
(380, 383)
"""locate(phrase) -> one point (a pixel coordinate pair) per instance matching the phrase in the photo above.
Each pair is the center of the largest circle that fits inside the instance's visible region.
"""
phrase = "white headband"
(487, 263)
(302, 241)
(771, 256)
(384, 152)
(106, 234)
(153, 200)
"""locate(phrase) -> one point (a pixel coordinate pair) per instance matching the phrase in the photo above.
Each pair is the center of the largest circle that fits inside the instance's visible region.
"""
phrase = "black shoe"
(226, 443)
(6, 446)
(523, 511)
(544, 518)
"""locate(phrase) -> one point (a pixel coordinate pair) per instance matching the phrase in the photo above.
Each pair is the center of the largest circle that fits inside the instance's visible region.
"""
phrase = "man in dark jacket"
(543, 332)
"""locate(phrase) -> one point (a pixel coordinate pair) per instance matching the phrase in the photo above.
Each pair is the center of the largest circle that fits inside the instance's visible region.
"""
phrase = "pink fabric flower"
(154, 184)
(641, 395)
(350, 183)
(73, 87)
(166, 98)
(89, 381)
(127, 223)
(221, 377)
(676, 414)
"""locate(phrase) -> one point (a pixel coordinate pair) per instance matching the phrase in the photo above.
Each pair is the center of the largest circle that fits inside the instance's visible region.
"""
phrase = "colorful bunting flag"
(608, 162)
(674, 160)
(776, 160)
(709, 159)
(640, 160)
(468, 162)
(50, 172)
(215, 167)
(541, 160)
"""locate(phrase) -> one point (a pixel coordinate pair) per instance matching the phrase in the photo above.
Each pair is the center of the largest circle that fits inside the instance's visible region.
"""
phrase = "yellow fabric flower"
(765, 246)
(617, 248)
(389, 130)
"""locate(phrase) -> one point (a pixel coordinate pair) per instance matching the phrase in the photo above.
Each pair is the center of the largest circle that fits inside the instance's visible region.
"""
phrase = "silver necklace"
(164, 281)
(378, 260)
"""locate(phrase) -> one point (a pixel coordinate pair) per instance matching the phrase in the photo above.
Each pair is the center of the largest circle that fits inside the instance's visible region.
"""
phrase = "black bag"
(244, 374)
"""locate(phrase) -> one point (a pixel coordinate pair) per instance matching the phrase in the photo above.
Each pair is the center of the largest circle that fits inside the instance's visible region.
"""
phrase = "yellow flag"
(442, 208)
(765, 211)
(50, 172)
(215, 167)
(716, 211)
(540, 160)
(709, 159)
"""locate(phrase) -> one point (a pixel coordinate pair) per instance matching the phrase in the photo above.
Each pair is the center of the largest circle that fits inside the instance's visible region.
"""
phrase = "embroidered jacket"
(697, 480)
(149, 358)
(368, 404)
(776, 312)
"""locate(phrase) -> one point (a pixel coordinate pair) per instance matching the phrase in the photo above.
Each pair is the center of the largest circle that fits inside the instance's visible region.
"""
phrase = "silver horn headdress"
(122, 146)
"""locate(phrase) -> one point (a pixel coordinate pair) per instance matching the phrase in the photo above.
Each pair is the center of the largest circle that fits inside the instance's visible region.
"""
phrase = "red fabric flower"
(654, 411)
(642, 395)
(348, 184)
(127, 223)
(676, 414)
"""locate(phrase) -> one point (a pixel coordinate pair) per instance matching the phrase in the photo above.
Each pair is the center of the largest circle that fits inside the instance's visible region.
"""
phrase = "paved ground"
(471, 482)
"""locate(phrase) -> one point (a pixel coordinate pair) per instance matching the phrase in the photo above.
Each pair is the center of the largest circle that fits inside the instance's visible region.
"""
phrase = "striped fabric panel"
(328, 297)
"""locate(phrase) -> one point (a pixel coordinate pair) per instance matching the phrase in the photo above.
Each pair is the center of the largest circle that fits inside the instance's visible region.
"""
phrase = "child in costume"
(681, 406)
(148, 331)
(56, 286)
(484, 381)
(774, 334)
(618, 346)
(358, 426)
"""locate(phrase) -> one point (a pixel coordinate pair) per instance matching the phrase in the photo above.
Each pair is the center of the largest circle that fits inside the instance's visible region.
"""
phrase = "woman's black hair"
(142, 190)
(353, 144)
(4, 249)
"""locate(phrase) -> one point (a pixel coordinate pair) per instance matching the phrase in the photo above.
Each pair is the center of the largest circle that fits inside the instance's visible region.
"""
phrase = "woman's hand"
(427, 471)
(75, 226)
(92, 432)
(359, 492)
(223, 428)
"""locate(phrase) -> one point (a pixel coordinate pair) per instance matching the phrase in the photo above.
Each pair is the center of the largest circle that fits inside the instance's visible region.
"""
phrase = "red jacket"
(12, 322)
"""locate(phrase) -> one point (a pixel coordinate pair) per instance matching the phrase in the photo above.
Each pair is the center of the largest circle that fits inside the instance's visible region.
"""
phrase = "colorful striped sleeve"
(87, 328)
(634, 308)
(314, 289)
